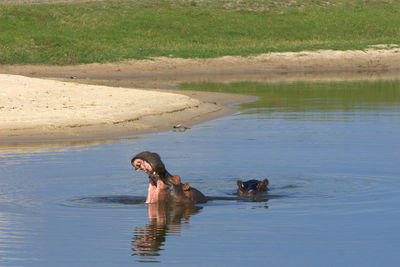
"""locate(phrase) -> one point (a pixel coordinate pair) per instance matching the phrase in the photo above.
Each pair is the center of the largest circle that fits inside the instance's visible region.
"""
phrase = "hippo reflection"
(165, 218)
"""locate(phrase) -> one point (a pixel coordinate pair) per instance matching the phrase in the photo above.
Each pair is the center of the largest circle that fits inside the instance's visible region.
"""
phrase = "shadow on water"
(104, 201)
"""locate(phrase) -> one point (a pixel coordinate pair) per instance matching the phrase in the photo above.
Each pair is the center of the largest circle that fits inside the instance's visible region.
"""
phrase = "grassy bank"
(110, 31)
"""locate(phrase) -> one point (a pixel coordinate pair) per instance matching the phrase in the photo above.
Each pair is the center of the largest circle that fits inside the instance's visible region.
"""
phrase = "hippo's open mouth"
(143, 165)
(162, 185)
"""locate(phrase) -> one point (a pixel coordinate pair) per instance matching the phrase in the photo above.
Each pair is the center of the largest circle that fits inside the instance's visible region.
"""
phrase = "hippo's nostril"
(251, 192)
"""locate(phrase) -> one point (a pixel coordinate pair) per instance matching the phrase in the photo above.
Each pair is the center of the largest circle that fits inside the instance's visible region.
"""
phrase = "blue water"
(333, 201)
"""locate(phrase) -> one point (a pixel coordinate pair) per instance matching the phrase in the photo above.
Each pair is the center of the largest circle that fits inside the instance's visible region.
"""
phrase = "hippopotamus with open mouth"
(162, 185)
(251, 187)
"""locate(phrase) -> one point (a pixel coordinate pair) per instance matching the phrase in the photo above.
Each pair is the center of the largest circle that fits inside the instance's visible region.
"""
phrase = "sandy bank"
(34, 108)
(378, 62)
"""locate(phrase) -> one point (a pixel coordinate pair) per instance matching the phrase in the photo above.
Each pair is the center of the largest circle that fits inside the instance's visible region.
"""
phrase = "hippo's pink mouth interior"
(143, 165)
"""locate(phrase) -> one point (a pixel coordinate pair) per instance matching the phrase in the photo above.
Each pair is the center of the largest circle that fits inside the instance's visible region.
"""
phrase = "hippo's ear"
(262, 186)
(239, 183)
(186, 187)
(175, 179)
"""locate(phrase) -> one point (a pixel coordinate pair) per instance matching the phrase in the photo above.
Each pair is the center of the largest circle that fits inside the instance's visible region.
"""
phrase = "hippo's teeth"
(154, 173)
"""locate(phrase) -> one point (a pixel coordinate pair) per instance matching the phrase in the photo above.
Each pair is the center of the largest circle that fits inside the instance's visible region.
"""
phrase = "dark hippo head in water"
(251, 187)
(162, 185)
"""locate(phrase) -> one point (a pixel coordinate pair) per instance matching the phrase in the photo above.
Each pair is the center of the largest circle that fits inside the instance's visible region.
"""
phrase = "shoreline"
(48, 110)
(158, 77)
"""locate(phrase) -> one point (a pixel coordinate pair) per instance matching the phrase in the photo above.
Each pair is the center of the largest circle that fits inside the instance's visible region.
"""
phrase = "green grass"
(111, 31)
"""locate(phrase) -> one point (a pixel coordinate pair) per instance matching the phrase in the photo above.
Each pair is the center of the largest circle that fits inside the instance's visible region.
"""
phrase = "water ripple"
(104, 201)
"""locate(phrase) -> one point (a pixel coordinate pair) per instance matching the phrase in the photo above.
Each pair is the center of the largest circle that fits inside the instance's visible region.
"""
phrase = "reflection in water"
(164, 219)
(315, 97)
(7, 148)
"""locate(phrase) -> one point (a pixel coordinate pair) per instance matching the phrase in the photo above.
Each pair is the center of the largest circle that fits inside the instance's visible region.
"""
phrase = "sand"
(41, 102)
(30, 102)
(33, 108)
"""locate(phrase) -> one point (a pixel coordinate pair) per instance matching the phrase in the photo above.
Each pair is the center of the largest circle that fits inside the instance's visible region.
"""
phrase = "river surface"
(330, 150)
